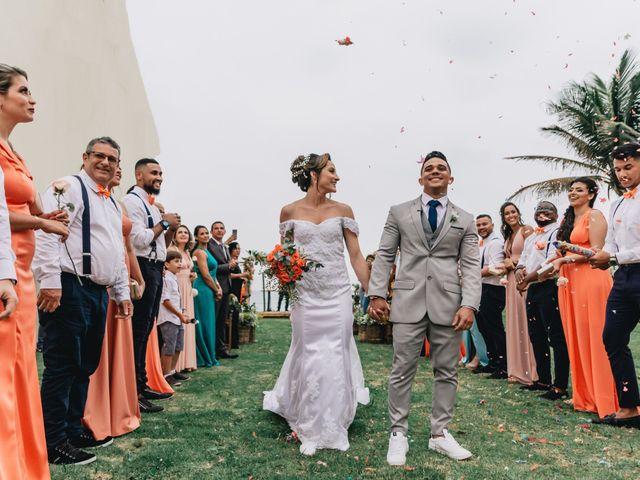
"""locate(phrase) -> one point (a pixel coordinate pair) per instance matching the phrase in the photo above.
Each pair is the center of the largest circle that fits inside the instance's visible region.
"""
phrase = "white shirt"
(141, 235)
(623, 235)
(492, 254)
(538, 248)
(108, 267)
(7, 257)
(440, 209)
(171, 292)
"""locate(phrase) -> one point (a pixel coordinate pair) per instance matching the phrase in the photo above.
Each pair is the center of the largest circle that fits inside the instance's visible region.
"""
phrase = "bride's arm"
(357, 260)
(355, 254)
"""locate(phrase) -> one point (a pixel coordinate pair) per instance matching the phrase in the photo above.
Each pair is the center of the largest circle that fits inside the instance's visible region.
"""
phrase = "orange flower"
(270, 258)
(284, 277)
(295, 257)
(297, 271)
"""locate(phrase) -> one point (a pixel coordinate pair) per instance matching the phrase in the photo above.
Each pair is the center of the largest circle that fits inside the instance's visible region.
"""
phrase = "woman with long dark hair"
(521, 363)
(582, 298)
(209, 291)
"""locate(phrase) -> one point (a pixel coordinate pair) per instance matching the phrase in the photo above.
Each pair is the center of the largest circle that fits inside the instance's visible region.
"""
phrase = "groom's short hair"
(434, 154)
(484, 215)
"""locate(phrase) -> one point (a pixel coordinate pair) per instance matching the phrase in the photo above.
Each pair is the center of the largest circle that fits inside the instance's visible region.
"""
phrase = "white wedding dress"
(321, 381)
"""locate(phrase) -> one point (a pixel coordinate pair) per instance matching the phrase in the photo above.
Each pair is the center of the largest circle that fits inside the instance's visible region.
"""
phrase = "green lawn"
(214, 428)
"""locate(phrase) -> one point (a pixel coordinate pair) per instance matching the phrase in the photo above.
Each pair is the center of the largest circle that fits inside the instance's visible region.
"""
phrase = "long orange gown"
(187, 358)
(155, 377)
(582, 304)
(23, 449)
(112, 401)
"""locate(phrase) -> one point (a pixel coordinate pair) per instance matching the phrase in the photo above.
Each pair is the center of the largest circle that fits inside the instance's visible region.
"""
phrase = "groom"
(436, 292)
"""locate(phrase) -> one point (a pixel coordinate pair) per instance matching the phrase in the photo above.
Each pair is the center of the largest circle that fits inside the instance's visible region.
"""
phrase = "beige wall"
(84, 74)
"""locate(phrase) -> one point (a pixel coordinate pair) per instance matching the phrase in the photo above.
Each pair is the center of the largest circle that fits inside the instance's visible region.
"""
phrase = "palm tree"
(593, 117)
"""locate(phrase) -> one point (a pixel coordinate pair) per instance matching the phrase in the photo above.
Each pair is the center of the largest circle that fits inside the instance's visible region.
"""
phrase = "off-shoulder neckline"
(313, 223)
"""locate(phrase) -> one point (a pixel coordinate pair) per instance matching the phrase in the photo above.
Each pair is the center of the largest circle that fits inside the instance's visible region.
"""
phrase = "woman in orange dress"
(23, 450)
(521, 363)
(182, 242)
(582, 298)
(112, 401)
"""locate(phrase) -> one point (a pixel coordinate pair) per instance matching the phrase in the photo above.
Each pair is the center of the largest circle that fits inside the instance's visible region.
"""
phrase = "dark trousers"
(145, 312)
(489, 318)
(235, 324)
(545, 329)
(222, 310)
(72, 348)
(285, 297)
(623, 313)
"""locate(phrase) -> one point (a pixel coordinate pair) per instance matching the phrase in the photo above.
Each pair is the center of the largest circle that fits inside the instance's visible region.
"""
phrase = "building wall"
(84, 75)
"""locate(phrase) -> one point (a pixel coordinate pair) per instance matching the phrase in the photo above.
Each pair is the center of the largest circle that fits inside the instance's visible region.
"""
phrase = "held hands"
(600, 260)
(8, 297)
(173, 219)
(49, 299)
(55, 227)
(463, 319)
(59, 215)
(379, 309)
(125, 309)
(219, 294)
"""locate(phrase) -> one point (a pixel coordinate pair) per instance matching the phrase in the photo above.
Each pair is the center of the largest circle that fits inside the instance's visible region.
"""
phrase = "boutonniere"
(454, 218)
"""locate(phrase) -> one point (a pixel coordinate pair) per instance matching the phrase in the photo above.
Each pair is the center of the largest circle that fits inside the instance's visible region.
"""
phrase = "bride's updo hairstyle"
(302, 167)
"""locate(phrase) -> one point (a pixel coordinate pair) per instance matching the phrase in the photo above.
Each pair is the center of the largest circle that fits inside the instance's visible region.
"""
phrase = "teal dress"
(205, 312)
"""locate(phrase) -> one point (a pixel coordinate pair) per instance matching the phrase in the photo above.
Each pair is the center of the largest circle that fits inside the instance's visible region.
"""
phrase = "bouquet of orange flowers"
(286, 265)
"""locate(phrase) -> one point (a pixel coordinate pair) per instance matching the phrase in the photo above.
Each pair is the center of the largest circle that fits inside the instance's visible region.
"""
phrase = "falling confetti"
(603, 200)
(402, 130)
(450, 62)
(532, 12)
(345, 42)
(566, 65)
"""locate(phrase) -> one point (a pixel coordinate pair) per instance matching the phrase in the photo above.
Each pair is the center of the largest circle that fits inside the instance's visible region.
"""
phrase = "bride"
(321, 381)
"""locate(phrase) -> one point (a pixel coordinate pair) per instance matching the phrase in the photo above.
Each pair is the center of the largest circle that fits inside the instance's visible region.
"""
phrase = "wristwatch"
(164, 224)
(613, 260)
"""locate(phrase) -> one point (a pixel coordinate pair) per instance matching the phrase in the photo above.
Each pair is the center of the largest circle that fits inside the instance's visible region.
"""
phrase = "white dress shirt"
(538, 248)
(7, 257)
(108, 267)
(141, 235)
(440, 209)
(171, 292)
(623, 235)
(492, 254)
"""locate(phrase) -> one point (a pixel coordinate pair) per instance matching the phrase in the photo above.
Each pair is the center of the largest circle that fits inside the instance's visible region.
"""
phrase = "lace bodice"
(324, 243)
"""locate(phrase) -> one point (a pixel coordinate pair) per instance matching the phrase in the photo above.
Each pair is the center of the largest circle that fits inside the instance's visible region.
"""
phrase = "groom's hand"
(463, 318)
(379, 309)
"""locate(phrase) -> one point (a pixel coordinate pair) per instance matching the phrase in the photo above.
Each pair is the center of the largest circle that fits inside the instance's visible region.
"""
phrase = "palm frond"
(568, 163)
(548, 188)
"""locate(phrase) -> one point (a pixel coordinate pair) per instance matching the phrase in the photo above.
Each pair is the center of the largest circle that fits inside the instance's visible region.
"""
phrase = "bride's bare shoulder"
(288, 211)
(344, 210)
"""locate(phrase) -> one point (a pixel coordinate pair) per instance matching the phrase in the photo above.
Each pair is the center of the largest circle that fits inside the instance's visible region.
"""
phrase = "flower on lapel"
(454, 218)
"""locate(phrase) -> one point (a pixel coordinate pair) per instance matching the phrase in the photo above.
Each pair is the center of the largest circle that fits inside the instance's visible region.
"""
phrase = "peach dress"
(521, 363)
(112, 401)
(582, 304)
(23, 449)
(155, 377)
(187, 359)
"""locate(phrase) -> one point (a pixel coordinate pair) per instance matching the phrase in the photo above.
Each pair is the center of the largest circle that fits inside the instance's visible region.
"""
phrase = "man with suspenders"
(543, 314)
(74, 277)
(622, 248)
(150, 233)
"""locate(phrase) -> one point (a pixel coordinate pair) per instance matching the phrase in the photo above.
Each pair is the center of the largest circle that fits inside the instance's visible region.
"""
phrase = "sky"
(239, 89)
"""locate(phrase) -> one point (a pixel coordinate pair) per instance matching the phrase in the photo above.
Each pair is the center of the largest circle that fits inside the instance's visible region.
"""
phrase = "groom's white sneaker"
(448, 446)
(398, 448)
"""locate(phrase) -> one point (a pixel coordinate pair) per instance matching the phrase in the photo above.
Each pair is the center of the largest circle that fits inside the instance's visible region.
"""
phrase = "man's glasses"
(103, 156)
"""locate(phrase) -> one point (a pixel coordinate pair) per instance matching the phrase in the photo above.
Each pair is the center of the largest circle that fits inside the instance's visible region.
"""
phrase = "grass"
(214, 428)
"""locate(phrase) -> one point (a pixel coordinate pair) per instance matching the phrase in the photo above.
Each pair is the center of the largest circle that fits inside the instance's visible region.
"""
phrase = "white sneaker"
(398, 448)
(448, 446)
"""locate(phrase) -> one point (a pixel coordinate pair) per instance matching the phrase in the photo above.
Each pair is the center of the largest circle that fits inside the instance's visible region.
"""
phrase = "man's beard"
(150, 190)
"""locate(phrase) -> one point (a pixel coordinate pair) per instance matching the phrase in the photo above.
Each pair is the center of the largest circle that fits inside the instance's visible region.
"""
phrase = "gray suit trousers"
(408, 339)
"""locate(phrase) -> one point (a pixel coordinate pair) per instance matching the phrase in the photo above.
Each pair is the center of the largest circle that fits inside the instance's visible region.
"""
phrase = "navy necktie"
(433, 214)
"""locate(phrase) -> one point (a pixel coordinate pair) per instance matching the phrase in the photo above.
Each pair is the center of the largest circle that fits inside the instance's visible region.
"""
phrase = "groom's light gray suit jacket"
(439, 271)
